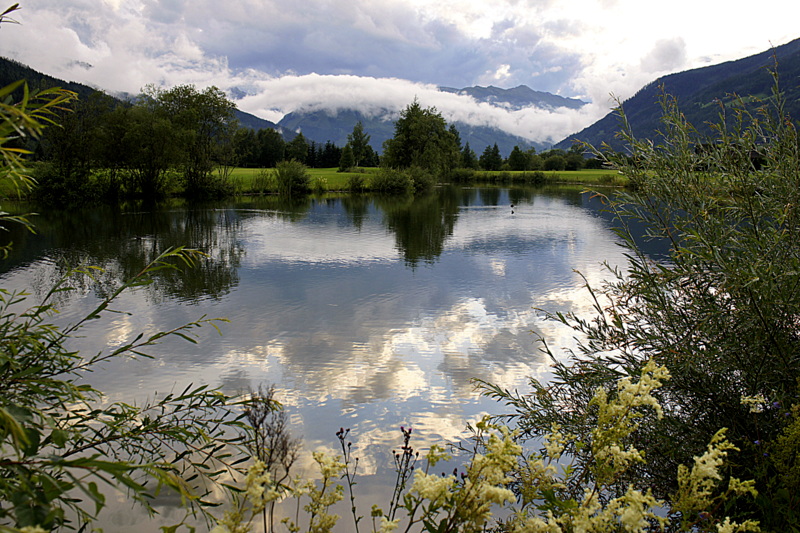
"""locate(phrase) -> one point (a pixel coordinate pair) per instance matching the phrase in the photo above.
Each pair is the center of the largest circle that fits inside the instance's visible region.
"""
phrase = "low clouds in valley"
(378, 54)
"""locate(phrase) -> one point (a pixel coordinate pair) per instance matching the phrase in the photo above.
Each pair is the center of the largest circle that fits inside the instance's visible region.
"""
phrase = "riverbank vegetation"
(186, 142)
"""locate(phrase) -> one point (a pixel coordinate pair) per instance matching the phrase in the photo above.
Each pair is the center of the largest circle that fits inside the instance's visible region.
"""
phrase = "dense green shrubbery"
(356, 182)
(292, 178)
(421, 179)
(391, 181)
(721, 314)
(462, 175)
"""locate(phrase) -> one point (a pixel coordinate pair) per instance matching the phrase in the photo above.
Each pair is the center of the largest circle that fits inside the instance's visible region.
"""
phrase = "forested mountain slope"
(699, 93)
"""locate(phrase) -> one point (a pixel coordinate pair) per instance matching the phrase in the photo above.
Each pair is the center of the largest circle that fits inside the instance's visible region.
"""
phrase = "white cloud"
(586, 49)
(274, 97)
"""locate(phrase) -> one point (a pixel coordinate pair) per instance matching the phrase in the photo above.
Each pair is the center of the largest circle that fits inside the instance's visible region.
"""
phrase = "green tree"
(271, 148)
(469, 158)
(348, 160)
(555, 162)
(359, 143)
(491, 159)
(519, 160)
(246, 146)
(371, 158)
(331, 155)
(153, 147)
(456, 135)
(206, 121)
(73, 153)
(421, 139)
(297, 149)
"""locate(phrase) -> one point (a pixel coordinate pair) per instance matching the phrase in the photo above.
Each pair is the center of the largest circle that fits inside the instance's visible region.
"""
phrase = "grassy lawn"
(593, 177)
(256, 180)
(247, 180)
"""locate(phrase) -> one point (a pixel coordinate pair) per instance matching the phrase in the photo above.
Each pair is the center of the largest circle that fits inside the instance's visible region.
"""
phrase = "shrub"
(320, 184)
(421, 179)
(356, 182)
(264, 182)
(462, 175)
(392, 181)
(720, 314)
(292, 178)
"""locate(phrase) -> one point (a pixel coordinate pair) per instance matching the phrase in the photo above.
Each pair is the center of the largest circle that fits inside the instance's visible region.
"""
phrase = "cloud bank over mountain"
(290, 55)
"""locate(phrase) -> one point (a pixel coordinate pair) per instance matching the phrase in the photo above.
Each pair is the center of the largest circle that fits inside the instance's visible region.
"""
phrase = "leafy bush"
(264, 181)
(292, 178)
(421, 178)
(356, 182)
(392, 181)
(320, 184)
(720, 314)
(462, 175)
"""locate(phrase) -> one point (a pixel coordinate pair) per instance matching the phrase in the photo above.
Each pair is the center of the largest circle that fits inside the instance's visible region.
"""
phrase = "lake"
(365, 312)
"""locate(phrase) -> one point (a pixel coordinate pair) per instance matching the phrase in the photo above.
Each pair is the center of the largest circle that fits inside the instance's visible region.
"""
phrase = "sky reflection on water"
(346, 311)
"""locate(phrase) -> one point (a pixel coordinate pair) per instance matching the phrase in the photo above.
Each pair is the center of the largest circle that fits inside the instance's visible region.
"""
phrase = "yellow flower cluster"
(259, 487)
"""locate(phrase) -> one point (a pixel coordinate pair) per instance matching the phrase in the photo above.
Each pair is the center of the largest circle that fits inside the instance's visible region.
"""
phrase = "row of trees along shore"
(187, 141)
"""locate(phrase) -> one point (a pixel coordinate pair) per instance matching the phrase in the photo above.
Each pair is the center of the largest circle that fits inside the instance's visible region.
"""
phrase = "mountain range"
(699, 93)
(11, 71)
(323, 125)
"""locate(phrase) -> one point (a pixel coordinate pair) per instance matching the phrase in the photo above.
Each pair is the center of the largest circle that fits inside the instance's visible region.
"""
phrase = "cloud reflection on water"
(352, 336)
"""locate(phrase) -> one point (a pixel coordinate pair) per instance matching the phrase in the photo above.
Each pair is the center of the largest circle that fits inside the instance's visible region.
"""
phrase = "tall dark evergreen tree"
(271, 148)
(519, 160)
(331, 154)
(491, 159)
(347, 161)
(359, 143)
(297, 149)
(469, 159)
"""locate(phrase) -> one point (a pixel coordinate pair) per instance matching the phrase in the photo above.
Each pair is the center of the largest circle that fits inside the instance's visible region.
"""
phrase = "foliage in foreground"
(720, 313)
(60, 440)
(536, 491)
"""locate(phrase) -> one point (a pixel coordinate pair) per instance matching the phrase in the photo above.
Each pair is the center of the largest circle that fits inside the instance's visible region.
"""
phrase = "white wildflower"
(555, 442)
(388, 526)
(431, 487)
(755, 402)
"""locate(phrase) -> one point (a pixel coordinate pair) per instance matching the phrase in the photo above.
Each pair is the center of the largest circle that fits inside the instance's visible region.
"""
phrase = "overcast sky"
(295, 54)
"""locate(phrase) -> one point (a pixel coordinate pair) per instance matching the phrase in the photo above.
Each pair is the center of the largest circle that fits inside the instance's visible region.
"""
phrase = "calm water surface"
(364, 313)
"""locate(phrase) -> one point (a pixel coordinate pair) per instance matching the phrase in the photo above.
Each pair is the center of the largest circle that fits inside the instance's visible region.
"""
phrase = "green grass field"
(248, 180)
(255, 180)
(260, 181)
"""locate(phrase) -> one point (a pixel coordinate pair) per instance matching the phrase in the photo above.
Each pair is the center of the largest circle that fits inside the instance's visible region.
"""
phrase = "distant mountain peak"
(519, 97)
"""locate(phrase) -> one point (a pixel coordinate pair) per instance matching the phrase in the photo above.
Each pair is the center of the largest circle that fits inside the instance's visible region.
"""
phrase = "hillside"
(698, 92)
(322, 126)
(517, 98)
(11, 71)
